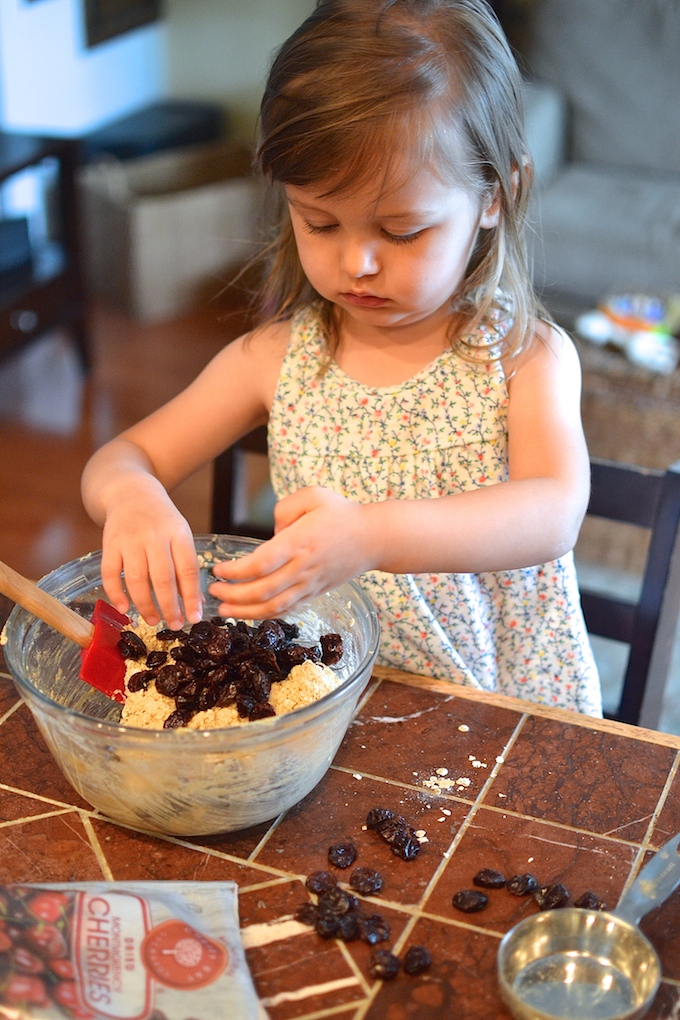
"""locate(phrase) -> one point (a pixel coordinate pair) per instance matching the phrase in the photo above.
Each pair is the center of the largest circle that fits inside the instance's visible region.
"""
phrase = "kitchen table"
(493, 782)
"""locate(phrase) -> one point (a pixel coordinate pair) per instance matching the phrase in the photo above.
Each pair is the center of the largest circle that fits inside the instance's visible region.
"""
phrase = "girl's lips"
(363, 300)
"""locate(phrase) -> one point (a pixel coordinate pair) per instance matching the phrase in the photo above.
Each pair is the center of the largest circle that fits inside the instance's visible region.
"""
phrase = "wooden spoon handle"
(45, 607)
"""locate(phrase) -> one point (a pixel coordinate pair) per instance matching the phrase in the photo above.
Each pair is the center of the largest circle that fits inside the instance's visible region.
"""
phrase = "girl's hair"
(424, 80)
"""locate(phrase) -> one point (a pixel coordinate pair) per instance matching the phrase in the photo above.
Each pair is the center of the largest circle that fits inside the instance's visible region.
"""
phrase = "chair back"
(645, 497)
(650, 499)
(229, 510)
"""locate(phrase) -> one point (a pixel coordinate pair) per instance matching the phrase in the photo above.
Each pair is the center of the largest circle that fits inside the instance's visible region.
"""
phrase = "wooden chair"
(229, 510)
(649, 499)
(620, 492)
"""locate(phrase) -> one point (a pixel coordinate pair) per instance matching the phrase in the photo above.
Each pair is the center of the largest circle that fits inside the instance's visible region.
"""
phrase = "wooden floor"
(52, 417)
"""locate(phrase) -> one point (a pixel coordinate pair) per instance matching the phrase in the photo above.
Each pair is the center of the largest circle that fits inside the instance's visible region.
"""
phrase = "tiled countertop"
(573, 800)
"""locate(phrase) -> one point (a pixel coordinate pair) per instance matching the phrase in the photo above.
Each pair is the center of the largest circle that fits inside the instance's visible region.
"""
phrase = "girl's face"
(389, 256)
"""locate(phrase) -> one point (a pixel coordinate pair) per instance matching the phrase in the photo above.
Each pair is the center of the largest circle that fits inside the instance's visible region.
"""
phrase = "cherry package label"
(123, 951)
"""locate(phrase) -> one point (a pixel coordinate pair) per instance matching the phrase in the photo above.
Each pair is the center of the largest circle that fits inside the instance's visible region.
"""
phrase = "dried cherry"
(384, 965)
(488, 878)
(416, 960)
(590, 901)
(131, 646)
(342, 855)
(334, 901)
(377, 816)
(522, 885)
(551, 897)
(469, 901)
(307, 913)
(366, 881)
(374, 929)
(320, 881)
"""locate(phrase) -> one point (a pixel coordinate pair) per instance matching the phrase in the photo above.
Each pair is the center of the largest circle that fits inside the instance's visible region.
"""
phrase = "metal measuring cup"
(575, 964)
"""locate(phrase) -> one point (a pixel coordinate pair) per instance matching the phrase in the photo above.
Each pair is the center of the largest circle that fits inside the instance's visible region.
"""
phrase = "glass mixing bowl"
(186, 782)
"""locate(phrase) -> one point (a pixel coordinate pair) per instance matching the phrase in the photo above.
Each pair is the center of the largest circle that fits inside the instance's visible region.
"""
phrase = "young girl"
(424, 427)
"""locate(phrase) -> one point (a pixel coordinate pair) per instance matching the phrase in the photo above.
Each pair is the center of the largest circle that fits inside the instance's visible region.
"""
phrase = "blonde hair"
(358, 75)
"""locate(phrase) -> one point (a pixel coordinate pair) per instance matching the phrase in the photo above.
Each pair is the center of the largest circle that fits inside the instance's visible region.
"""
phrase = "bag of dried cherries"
(123, 951)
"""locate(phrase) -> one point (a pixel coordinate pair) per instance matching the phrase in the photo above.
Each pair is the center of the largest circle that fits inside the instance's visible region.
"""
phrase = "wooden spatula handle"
(45, 607)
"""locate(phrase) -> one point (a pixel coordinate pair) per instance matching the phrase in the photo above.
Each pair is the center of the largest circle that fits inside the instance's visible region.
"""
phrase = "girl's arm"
(535, 516)
(125, 484)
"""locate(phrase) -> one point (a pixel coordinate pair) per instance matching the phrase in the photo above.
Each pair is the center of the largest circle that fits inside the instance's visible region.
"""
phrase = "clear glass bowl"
(186, 782)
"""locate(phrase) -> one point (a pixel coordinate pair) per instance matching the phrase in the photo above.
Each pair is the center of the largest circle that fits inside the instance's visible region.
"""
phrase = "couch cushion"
(618, 61)
(600, 231)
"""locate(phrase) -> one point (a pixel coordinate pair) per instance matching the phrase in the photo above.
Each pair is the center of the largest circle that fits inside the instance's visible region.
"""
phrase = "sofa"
(603, 120)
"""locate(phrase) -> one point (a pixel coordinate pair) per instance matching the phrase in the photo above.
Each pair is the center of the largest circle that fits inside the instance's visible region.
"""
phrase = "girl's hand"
(320, 542)
(148, 541)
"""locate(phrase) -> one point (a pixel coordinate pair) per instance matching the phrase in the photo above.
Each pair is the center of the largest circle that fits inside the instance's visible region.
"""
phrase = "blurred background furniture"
(604, 127)
(41, 283)
(242, 499)
(647, 499)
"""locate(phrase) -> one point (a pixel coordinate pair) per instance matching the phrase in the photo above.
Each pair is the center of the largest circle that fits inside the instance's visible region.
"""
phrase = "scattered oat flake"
(357, 775)
(463, 781)
(502, 794)
(464, 728)
(442, 772)
(445, 811)
(442, 819)
(500, 759)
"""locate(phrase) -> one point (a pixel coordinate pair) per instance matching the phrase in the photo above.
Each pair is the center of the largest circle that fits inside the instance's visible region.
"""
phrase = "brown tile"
(298, 975)
(13, 806)
(461, 973)
(404, 734)
(8, 692)
(53, 849)
(26, 764)
(512, 845)
(337, 808)
(239, 844)
(666, 1004)
(135, 856)
(668, 822)
(661, 928)
(599, 785)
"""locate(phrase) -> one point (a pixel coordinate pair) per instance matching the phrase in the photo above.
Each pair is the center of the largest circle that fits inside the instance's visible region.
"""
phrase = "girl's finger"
(257, 609)
(189, 580)
(137, 582)
(263, 561)
(164, 583)
(112, 580)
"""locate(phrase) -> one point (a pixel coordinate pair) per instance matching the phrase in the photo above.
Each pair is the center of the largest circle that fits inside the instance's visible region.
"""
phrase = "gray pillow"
(618, 62)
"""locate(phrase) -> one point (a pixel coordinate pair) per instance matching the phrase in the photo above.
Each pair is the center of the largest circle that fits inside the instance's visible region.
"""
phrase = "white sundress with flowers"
(443, 431)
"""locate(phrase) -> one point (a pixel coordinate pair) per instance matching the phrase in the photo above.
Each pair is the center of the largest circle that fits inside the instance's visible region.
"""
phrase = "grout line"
(96, 846)
(646, 841)
(467, 821)
(266, 837)
(36, 818)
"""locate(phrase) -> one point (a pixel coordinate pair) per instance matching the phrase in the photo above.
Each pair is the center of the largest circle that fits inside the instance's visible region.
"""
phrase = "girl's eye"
(326, 229)
(402, 238)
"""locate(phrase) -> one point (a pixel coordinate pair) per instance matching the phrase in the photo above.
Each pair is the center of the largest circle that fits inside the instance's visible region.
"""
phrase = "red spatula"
(102, 664)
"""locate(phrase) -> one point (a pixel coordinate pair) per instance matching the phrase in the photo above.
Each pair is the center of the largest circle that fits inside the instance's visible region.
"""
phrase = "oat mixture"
(147, 708)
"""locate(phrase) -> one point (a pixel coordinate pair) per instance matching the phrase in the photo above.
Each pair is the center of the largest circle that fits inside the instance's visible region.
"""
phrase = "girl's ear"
(491, 210)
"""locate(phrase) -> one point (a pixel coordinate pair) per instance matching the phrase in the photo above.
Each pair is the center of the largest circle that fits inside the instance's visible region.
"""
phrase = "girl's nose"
(359, 259)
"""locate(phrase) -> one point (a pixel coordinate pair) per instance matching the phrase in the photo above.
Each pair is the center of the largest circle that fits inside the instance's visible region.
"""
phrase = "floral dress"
(443, 431)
